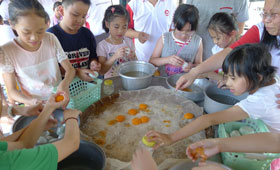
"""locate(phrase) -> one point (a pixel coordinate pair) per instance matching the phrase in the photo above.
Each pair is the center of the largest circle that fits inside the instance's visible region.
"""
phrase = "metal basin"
(89, 156)
(23, 121)
(218, 99)
(196, 93)
(136, 74)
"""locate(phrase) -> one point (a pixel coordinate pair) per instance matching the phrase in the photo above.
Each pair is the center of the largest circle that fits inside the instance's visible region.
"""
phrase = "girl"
(17, 150)
(182, 45)
(223, 30)
(266, 32)
(117, 48)
(247, 68)
(32, 58)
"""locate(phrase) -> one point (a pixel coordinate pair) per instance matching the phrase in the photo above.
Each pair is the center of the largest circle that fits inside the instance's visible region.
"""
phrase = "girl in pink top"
(117, 48)
(32, 58)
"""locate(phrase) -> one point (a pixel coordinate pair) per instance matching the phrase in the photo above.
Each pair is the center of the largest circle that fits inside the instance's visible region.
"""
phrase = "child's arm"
(255, 143)
(108, 63)
(14, 94)
(70, 73)
(158, 61)
(28, 137)
(232, 114)
(142, 159)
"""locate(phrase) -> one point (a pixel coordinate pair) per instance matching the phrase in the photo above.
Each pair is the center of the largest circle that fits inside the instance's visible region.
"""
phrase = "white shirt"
(153, 20)
(48, 6)
(6, 33)
(262, 105)
(96, 14)
(4, 12)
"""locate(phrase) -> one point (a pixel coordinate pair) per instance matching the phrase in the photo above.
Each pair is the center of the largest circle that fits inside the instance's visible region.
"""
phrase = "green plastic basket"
(83, 94)
(238, 161)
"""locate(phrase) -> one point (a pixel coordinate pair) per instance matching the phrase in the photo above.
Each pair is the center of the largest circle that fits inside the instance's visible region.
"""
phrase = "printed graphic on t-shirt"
(79, 59)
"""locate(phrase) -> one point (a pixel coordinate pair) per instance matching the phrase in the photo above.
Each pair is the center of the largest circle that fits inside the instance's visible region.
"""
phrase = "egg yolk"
(132, 112)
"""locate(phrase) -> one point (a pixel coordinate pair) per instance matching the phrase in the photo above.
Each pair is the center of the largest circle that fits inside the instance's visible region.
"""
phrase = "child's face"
(185, 33)
(237, 85)
(57, 12)
(74, 16)
(117, 27)
(31, 30)
(220, 39)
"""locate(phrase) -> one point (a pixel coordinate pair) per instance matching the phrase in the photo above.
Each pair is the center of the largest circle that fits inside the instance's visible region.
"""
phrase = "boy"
(77, 41)
(57, 16)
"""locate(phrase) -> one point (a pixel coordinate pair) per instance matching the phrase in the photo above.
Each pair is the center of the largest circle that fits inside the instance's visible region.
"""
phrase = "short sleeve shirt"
(153, 20)
(42, 157)
(207, 8)
(80, 47)
(107, 50)
(37, 72)
(262, 105)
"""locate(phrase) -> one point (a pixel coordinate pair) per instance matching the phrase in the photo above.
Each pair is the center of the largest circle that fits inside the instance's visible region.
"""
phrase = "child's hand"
(161, 139)
(120, 53)
(95, 66)
(57, 104)
(142, 159)
(209, 166)
(210, 146)
(131, 54)
(83, 74)
(32, 110)
(143, 37)
(71, 113)
(175, 60)
(189, 67)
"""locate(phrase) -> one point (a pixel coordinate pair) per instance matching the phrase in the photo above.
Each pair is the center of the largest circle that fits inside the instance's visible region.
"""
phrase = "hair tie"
(113, 10)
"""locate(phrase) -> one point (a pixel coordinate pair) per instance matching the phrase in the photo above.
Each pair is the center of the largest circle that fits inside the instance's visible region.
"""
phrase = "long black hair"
(269, 41)
(251, 61)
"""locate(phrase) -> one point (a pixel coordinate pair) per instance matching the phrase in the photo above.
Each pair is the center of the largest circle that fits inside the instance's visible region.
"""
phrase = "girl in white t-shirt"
(33, 57)
(117, 48)
(223, 30)
(247, 69)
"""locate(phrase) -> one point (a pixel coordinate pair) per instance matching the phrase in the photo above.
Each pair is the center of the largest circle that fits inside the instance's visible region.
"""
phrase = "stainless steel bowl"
(23, 121)
(196, 93)
(217, 99)
(136, 74)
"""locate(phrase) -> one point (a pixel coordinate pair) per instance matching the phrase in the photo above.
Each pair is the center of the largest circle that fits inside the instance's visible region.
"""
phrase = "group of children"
(53, 58)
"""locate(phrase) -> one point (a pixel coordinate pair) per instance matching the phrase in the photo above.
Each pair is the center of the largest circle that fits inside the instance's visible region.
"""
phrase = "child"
(182, 45)
(117, 48)
(223, 30)
(149, 20)
(17, 150)
(57, 16)
(77, 41)
(32, 58)
(248, 69)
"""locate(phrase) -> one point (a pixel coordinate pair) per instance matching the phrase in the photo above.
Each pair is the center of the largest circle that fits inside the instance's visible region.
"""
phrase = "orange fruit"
(59, 98)
(132, 112)
(199, 152)
(136, 121)
(143, 106)
(120, 118)
(112, 122)
(188, 116)
(145, 119)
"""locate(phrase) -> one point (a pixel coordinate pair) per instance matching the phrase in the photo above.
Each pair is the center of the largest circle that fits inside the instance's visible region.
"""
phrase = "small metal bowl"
(217, 99)
(194, 92)
(23, 121)
(136, 74)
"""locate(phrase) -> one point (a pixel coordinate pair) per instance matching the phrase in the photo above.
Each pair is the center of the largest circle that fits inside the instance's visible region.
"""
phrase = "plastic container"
(239, 160)
(83, 94)
(108, 87)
